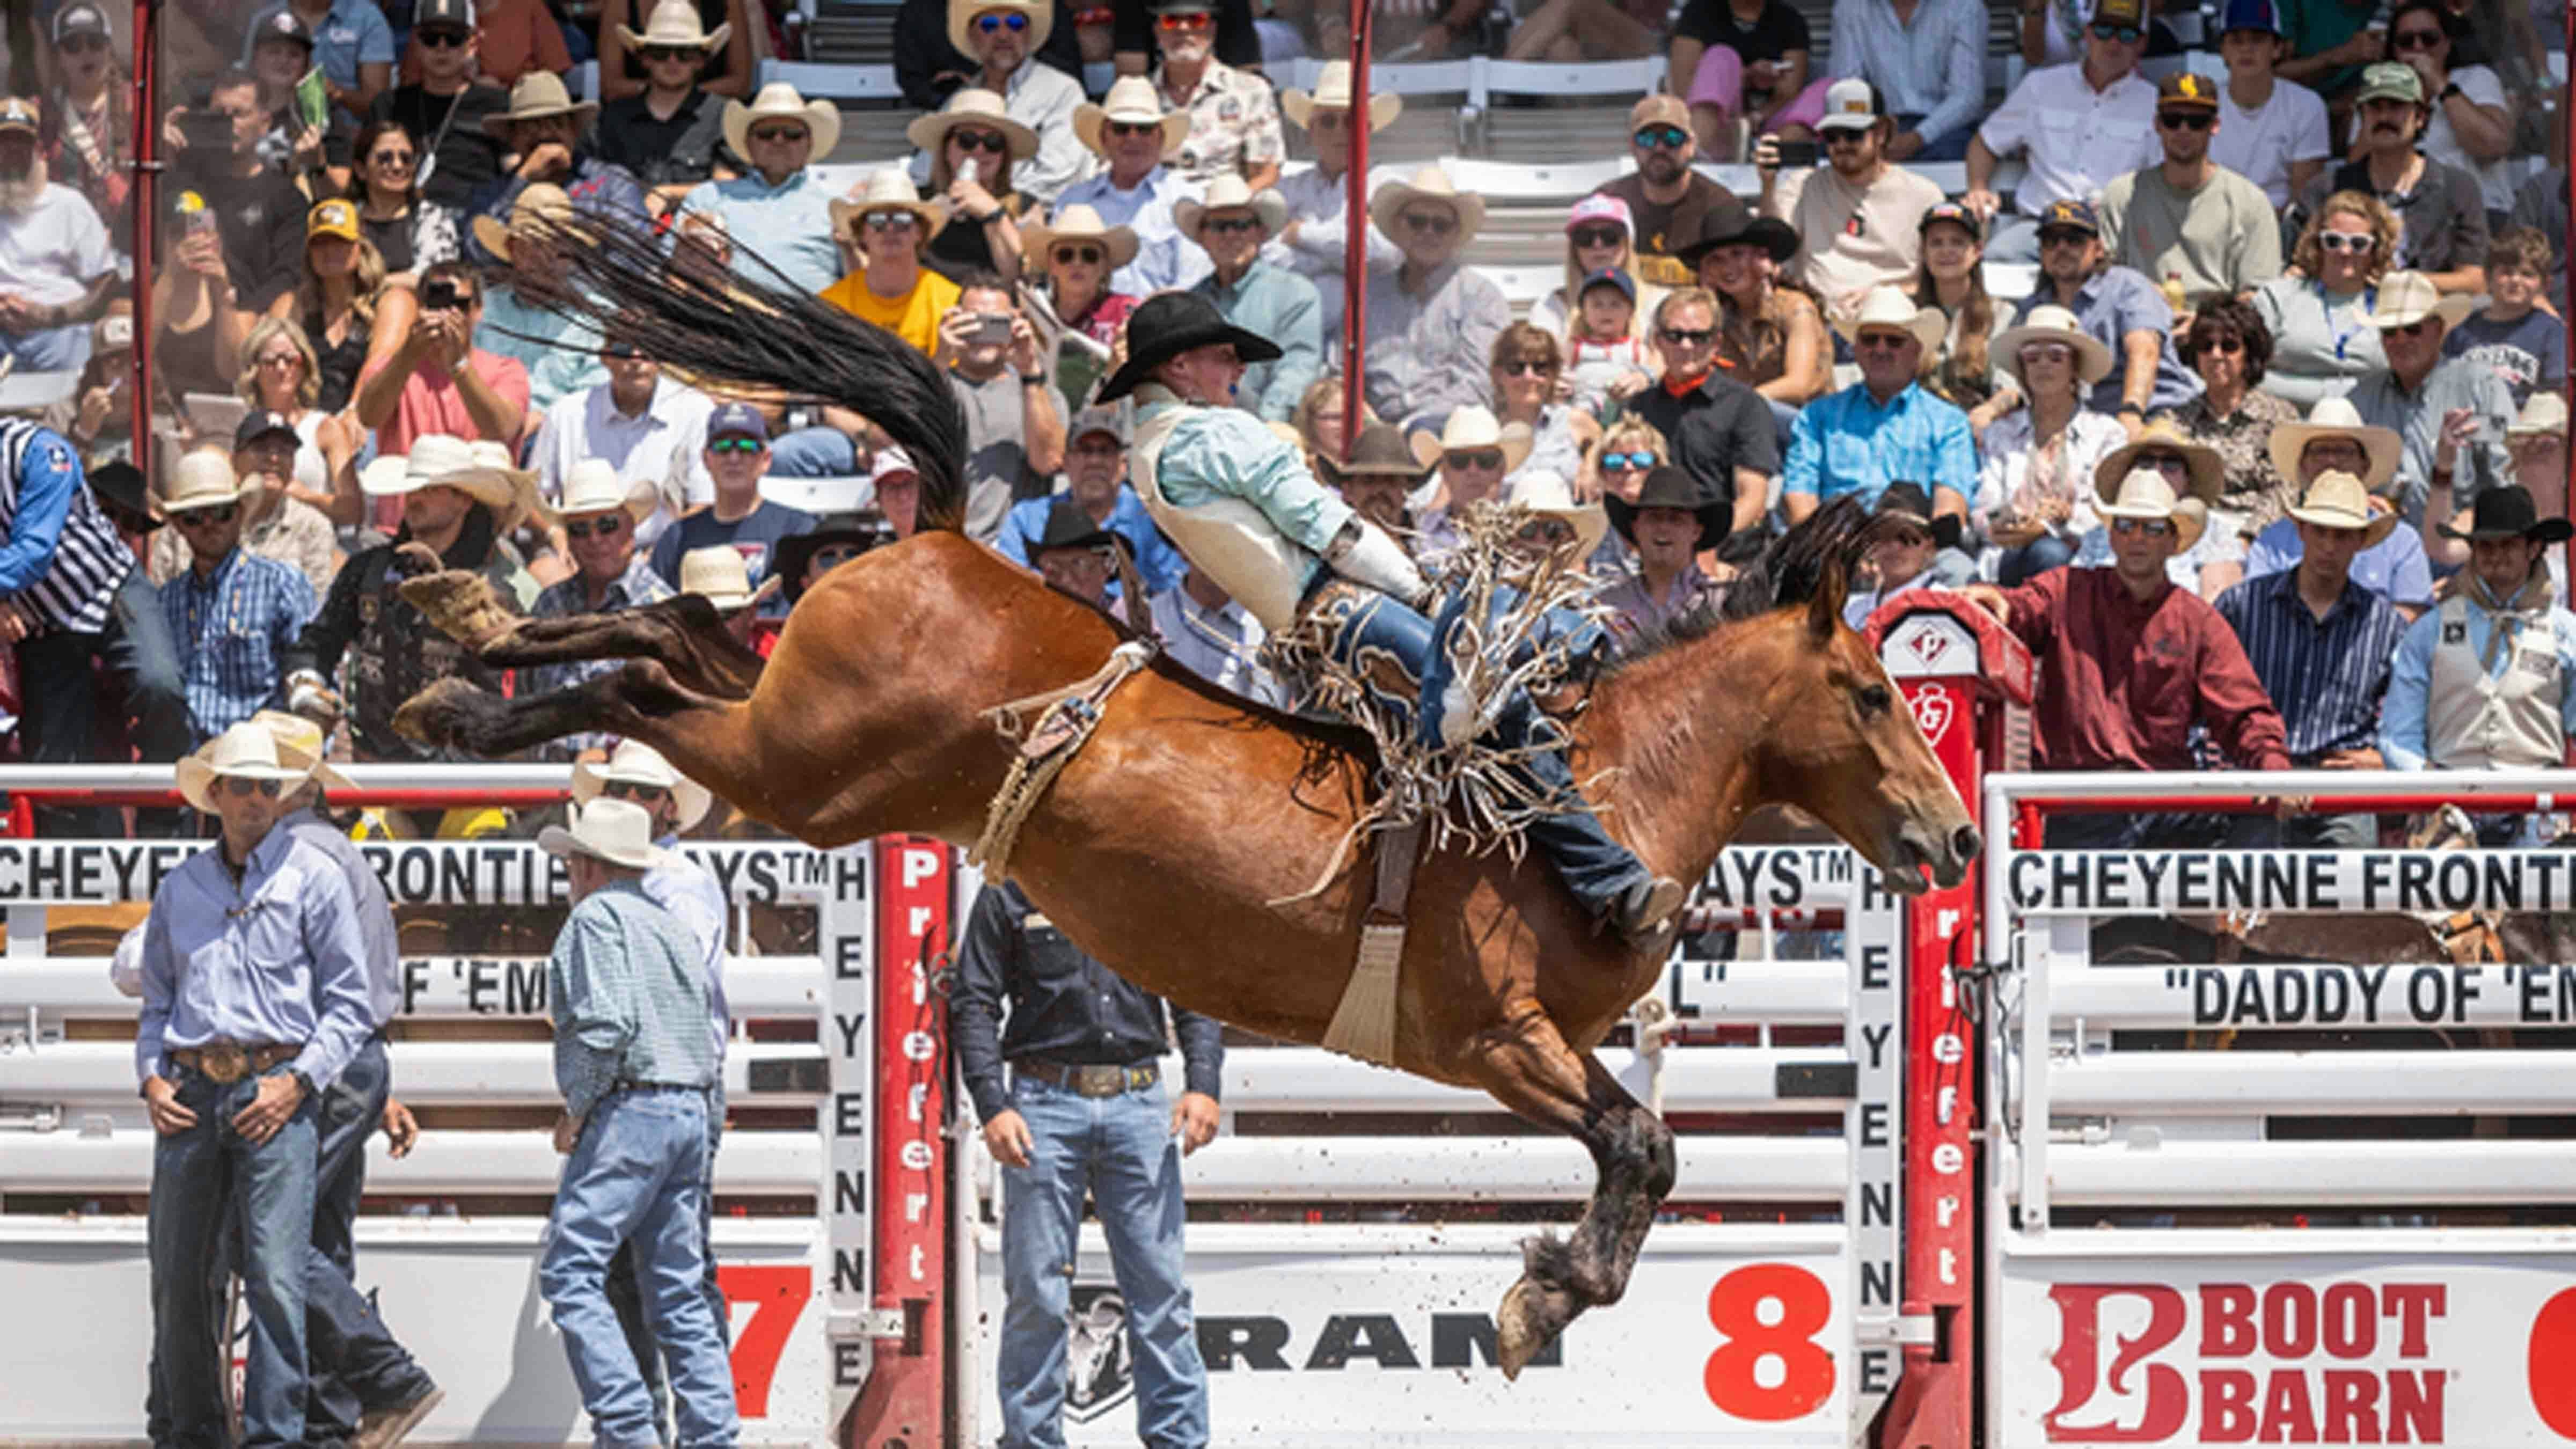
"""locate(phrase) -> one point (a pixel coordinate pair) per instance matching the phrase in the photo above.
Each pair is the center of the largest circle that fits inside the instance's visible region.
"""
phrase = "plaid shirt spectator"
(232, 631)
(638, 586)
(630, 999)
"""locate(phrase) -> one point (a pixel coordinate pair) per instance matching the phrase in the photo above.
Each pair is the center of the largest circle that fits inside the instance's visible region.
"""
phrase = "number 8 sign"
(1804, 1305)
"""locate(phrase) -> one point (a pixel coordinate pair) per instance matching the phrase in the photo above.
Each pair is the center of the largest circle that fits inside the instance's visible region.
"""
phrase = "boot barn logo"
(2234, 1363)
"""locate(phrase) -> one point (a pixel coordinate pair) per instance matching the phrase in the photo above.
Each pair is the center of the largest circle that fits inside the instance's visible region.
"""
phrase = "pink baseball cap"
(1597, 207)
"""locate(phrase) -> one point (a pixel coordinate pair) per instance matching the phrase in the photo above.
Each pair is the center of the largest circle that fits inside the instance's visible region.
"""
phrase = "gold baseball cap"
(335, 217)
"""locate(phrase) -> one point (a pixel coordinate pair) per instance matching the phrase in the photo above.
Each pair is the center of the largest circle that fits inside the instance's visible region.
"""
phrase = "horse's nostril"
(1964, 843)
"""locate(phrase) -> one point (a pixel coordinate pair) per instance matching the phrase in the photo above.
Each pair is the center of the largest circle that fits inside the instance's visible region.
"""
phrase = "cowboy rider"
(1242, 505)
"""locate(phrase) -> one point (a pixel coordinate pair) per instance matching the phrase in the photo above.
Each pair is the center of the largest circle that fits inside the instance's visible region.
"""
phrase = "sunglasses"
(1882, 341)
(1669, 138)
(2064, 238)
(392, 158)
(1597, 236)
(1088, 256)
(974, 141)
(744, 446)
(79, 44)
(995, 24)
(2164, 462)
(1529, 367)
(656, 54)
(632, 790)
(239, 787)
(2048, 352)
(1135, 128)
(1483, 460)
(2151, 527)
(281, 359)
(621, 349)
(2185, 120)
(2214, 343)
(2358, 243)
(2411, 329)
(442, 39)
(1433, 223)
(1229, 225)
(886, 220)
(832, 554)
(220, 513)
(1547, 531)
(1182, 22)
(772, 135)
(2125, 34)
(2415, 39)
(1627, 462)
(1688, 336)
(608, 527)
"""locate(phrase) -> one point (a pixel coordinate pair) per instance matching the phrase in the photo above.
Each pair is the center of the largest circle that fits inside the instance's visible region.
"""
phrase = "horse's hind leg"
(684, 634)
(1528, 1066)
(456, 715)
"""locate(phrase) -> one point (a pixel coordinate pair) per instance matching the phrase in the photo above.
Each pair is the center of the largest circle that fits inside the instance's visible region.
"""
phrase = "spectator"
(1074, 554)
(1432, 321)
(2034, 491)
(1037, 98)
(778, 207)
(891, 226)
(256, 210)
(2271, 131)
(339, 298)
(409, 231)
(95, 418)
(628, 988)
(1378, 478)
(2538, 439)
(736, 456)
(1205, 631)
(1315, 242)
(1232, 226)
(232, 615)
(1473, 452)
(2120, 308)
(1570, 32)
(1664, 196)
(2319, 314)
(1965, 369)
(2082, 125)
(1928, 61)
(2322, 645)
(1669, 523)
(2188, 222)
(1722, 432)
(1556, 530)
(720, 576)
(1734, 66)
(597, 514)
(2334, 439)
(1860, 217)
(1771, 334)
(2541, 204)
(975, 152)
(650, 429)
(1095, 470)
(1602, 339)
(459, 511)
(543, 133)
(2328, 45)
(668, 132)
(934, 45)
(87, 134)
(2487, 681)
(1320, 422)
(518, 316)
(198, 325)
(1075, 259)
(1918, 551)
(447, 114)
(895, 485)
(57, 267)
(837, 538)
(278, 52)
(1884, 427)
(1130, 130)
(2202, 562)
(1526, 368)
(2446, 411)
(1084, 1103)
(235, 1124)
(1234, 120)
(2443, 218)
(2512, 337)
(271, 523)
(2469, 126)
(438, 381)
(130, 507)
(1239, 41)
(513, 40)
(1015, 418)
(1598, 238)
(717, 68)
(1629, 450)
(2229, 348)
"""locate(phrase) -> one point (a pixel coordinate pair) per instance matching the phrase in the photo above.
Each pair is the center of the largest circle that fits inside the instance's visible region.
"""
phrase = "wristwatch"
(2449, 91)
(305, 1082)
(1033, 379)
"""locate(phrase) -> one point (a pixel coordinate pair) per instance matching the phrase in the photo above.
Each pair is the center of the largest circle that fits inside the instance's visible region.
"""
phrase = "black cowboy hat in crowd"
(1169, 324)
(2508, 512)
(1671, 487)
(1730, 221)
(1908, 500)
(120, 484)
(1068, 526)
(790, 556)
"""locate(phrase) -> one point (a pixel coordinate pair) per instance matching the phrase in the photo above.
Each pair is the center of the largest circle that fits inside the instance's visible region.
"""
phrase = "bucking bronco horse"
(1164, 844)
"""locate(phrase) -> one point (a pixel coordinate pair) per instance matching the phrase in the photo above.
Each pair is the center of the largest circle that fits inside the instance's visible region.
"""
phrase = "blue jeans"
(1948, 146)
(355, 1362)
(54, 349)
(814, 453)
(199, 1174)
(637, 1174)
(2019, 566)
(1122, 1150)
(627, 1286)
(59, 698)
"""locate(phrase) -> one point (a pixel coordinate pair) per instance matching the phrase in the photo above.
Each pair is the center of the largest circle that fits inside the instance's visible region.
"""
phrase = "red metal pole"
(146, 200)
(1355, 227)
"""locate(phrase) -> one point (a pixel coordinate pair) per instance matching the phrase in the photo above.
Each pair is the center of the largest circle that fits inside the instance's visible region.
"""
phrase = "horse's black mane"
(1786, 575)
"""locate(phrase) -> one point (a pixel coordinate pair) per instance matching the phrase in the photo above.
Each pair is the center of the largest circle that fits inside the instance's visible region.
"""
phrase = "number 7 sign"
(777, 1295)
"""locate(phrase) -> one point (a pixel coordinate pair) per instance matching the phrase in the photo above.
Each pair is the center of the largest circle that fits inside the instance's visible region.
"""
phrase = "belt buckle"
(1094, 1080)
(223, 1062)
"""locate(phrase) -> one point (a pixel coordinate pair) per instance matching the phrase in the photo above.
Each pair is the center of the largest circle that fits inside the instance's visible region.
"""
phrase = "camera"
(441, 295)
(1799, 153)
(992, 329)
(207, 133)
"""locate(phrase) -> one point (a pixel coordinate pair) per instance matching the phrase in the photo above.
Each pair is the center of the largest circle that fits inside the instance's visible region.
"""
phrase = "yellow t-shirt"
(914, 316)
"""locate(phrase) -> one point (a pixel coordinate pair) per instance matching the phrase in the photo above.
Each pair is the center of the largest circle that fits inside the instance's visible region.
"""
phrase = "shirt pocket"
(1850, 462)
(2108, 145)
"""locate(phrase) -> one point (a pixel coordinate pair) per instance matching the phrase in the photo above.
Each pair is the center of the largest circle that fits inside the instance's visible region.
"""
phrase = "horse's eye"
(1875, 700)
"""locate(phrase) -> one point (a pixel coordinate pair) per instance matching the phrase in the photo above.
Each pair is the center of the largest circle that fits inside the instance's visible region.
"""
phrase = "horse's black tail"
(771, 339)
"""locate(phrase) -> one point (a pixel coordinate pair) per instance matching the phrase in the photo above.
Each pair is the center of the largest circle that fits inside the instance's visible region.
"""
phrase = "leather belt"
(1089, 1079)
(227, 1062)
(630, 1086)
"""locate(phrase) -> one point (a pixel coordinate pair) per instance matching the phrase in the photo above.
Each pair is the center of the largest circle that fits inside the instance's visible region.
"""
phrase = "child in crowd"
(1601, 341)
(2526, 346)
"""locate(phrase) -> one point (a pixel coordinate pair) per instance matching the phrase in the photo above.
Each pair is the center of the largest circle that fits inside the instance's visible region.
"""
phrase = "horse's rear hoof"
(461, 603)
(1515, 1342)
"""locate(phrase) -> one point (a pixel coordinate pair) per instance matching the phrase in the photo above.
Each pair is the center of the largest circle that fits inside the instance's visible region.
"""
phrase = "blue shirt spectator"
(232, 624)
(1930, 68)
(1158, 564)
(1849, 442)
(787, 224)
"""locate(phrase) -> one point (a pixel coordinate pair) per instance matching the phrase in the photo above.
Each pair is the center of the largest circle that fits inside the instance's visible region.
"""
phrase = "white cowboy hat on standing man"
(204, 478)
(634, 762)
(2338, 500)
(619, 832)
(2145, 494)
(437, 460)
(779, 101)
(675, 26)
(245, 752)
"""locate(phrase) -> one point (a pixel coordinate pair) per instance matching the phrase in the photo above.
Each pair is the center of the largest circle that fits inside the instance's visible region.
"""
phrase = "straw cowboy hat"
(1226, 193)
(778, 101)
(634, 762)
(203, 479)
(2506, 511)
(1077, 222)
(2338, 500)
(675, 26)
(301, 745)
(1132, 101)
(719, 575)
(1472, 427)
(540, 202)
(2145, 494)
(1169, 324)
(1890, 307)
(1544, 491)
(976, 105)
(1333, 93)
(437, 460)
(535, 96)
(525, 501)
(2053, 323)
(592, 486)
(2545, 413)
(889, 190)
(961, 21)
(2208, 470)
(245, 752)
(1379, 451)
(1428, 184)
(2406, 298)
(1671, 487)
(2335, 417)
(619, 832)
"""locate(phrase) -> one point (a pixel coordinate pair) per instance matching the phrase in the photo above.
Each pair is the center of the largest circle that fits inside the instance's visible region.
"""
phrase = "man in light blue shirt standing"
(778, 210)
(1258, 296)
(1129, 130)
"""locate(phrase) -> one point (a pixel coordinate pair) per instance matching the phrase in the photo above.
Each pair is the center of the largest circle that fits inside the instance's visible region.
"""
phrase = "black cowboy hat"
(1381, 452)
(1728, 222)
(1169, 324)
(1068, 526)
(120, 484)
(2508, 512)
(790, 556)
(1670, 487)
(1908, 500)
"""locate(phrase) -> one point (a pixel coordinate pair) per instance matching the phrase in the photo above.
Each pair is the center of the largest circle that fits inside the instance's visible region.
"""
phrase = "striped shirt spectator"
(630, 999)
(2326, 675)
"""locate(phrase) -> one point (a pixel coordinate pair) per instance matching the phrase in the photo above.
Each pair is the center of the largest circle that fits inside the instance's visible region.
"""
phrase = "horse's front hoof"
(436, 716)
(461, 603)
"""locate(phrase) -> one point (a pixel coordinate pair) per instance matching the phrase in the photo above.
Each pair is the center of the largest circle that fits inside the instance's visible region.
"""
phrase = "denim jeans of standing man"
(627, 1287)
(1122, 1151)
(58, 705)
(355, 1362)
(637, 1174)
(199, 1174)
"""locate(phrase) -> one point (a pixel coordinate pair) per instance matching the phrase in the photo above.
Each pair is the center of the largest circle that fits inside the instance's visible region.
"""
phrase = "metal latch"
(871, 1323)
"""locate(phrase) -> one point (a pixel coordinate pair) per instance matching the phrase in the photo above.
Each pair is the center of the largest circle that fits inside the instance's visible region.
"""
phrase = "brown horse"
(1160, 847)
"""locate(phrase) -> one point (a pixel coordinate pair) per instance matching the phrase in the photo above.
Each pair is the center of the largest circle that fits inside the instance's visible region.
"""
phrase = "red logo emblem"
(1929, 645)
(1932, 711)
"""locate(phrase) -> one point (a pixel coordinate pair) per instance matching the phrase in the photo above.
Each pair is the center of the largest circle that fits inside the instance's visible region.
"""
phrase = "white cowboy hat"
(1472, 427)
(1544, 491)
(2146, 494)
(778, 101)
(1226, 193)
(2052, 323)
(1132, 101)
(888, 190)
(634, 762)
(979, 106)
(1333, 93)
(962, 13)
(2208, 471)
(674, 25)
(592, 486)
(1077, 222)
(619, 832)
(1887, 306)
(2545, 413)
(535, 96)
(2406, 298)
(2338, 500)
(245, 752)
(1428, 184)
(719, 574)
(541, 201)
(203, 479)
(2336, 417)
(437, 459)
(302, 745)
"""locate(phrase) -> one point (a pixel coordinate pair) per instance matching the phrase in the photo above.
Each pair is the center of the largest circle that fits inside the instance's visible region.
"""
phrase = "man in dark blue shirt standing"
(1084, 1108)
